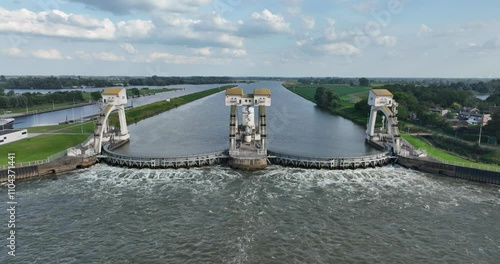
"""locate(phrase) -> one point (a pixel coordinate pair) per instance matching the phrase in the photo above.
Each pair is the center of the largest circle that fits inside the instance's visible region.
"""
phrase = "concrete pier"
(247, 158)
(248, 142)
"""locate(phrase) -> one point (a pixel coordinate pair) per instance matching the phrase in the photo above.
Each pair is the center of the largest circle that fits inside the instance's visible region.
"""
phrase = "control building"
(248, 140)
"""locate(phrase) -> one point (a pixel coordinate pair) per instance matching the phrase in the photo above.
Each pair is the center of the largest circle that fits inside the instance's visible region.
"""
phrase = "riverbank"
(47, 108)
(349, 96)
(348, 110)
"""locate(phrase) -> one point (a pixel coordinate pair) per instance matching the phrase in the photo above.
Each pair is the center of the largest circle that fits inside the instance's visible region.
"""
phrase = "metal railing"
(150, 157)
(313, 158)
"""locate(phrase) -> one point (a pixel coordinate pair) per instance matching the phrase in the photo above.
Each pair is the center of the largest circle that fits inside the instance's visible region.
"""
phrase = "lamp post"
(480, 130)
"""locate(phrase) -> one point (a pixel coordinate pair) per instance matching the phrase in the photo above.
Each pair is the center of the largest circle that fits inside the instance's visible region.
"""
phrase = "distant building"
(12, 135)
(440, 111)
(380, 97)
(478, 119)
(115, 96)
(467, 112)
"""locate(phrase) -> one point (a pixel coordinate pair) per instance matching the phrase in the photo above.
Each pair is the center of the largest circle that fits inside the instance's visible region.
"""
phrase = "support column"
(371, 123)
(390, 128)
(263, 128)
(232, 129)
(105, 126)
(396, 145)
(123, 121)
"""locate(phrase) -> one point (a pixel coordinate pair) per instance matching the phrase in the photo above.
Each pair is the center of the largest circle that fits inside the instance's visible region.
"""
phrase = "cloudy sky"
(349, 38)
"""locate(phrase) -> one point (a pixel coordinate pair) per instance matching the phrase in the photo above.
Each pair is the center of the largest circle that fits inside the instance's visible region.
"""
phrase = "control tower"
(247, 140)
(383, 100)
(115, 99)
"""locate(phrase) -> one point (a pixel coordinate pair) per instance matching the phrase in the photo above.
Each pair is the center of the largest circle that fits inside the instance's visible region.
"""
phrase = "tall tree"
(364, 82)
(493, 127)
(2, 78)
(96, 96)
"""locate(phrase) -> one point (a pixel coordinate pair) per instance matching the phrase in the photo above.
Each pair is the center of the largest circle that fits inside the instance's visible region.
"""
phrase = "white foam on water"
(358, 185)
(377, 183)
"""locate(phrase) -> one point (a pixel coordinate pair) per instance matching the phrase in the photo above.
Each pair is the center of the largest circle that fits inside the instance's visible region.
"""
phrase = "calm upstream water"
(294, 126)
(279, 215)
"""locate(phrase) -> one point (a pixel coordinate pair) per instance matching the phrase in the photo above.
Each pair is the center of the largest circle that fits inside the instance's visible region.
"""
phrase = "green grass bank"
(57, 138)
(351, 95)
(40, 147)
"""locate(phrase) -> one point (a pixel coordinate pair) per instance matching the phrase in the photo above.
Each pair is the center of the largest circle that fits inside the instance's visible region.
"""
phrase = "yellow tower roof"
(262, 91)
(382, 92)
(234, 91)
(112, 91)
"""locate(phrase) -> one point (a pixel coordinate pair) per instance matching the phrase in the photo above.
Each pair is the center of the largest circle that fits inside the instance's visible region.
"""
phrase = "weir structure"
(247, 141)
(248, 148)
(253, 139)
(114, 99)
(383, 100)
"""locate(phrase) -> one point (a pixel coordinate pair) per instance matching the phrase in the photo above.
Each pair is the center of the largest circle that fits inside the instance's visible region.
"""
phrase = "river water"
(294, 125)
(279, 215)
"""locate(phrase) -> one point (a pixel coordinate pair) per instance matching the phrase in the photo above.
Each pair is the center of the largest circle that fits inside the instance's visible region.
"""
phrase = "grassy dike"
(446, 156)
(349, 95)
(40, 147)
(60, 137)
(348, 111)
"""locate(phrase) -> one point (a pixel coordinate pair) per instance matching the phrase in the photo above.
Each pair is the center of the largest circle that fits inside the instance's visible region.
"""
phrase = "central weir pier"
(247, 141)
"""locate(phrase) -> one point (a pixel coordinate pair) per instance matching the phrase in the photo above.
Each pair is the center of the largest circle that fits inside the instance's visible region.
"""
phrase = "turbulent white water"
(218, 215)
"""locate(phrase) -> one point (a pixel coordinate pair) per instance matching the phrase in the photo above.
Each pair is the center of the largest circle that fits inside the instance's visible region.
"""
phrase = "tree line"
(335, 80)
(162, 81)
(67, 82)
(53, 82)
(326, 98)
(33, 99)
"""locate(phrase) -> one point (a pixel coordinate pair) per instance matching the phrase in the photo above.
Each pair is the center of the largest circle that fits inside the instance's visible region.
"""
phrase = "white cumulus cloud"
(129, 48)
(50, 54)
(56, 24)
(14, 52)
(265, 23)
(135, 28)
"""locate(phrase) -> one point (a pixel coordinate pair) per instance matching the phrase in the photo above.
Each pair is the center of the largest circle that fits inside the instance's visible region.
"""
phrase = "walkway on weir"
(221, 157)
(376, 160)
(189, 161)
